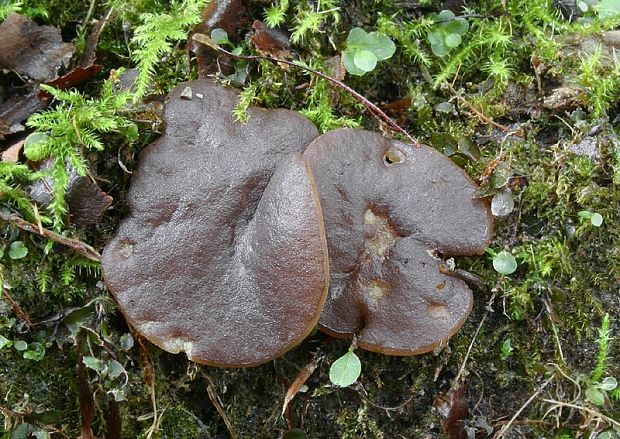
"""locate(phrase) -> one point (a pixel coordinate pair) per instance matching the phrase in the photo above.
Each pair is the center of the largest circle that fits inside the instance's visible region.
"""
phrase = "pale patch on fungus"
(376, 290)
(438, 310)
(382, 236)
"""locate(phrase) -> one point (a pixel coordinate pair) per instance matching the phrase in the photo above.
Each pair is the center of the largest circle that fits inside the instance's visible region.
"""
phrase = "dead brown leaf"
(32, 50)
(299, 381)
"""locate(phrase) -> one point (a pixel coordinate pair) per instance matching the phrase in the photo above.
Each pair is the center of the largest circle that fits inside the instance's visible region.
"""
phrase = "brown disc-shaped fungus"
(390, 210)
(223, 254)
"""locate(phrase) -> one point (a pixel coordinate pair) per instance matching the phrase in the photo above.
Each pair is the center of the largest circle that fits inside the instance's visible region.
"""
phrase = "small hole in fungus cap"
(392, 156)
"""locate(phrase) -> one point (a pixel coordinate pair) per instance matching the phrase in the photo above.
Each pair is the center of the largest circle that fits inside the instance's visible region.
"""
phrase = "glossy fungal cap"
(390, 209)
(223, 254)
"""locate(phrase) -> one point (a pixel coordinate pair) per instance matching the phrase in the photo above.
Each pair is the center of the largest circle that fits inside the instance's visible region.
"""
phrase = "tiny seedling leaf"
(357, 37)
(119, 394)
(445, 15)
(453, 40)
(349, 63)
(504, 263)
(20, 345)
(502, 203)
(365, 49)
(34, 146)
(609, 384)
(501, 175)
(380, 45)
(93, 363)
(458, 26)
(41, 434)
(595, 396)
(115, 369)
(365, 60)
(585, 214)
(345, 370)
(126, 341)
(596, 219)
(219, 36)
(18, 250)
(36, 352)
(608, 8)
(444, 107)
(4, 342)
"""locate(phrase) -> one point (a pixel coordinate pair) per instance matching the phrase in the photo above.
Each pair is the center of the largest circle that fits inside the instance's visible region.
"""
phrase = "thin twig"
(218, 406)
(88, 58)
(77, 246)
(479, 114)
(596, 413)
(387, 409)
(372, 108)
(16, 308)
(507, 426)
(473, 340)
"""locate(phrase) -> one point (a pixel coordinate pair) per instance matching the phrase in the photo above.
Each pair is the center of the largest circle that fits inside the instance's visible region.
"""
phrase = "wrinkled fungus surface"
(391, 210)
(223, 255)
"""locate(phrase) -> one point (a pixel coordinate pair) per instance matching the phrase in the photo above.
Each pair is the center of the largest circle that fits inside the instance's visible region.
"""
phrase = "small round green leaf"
(444, 107)
(132, 132)
(219, 36)
(453, 40)
(20, 345)
(504, 263)
(446, 15)
(608, 8)
(609, 384)
(458, 26)
(93, 363)
(438, 44)
(357, 38)
(381, 45)
(596, 219)
(595, 396)
(345, 370)
(349, 63)
(4, 342)
(115, 369)
(502, 203)
(585, 214)
(18, 250)
(501, 175)
(36, 352)
(126, 341)
(365, 60)
(436, 37)
(34, 146)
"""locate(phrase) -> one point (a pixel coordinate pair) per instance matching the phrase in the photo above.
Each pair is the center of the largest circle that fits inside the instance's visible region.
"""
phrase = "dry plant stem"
(479, 114)
(473, 340)
(218, 406)
(88, 58)
(16, 308)
(507, 426)
(372, 108)
(593, 412)
(77, 246)
(387, 409)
